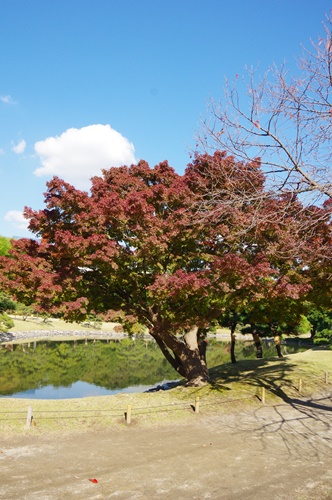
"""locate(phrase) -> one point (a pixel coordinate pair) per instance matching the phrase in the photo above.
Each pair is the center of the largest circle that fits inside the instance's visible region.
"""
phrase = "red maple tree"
(138, 249)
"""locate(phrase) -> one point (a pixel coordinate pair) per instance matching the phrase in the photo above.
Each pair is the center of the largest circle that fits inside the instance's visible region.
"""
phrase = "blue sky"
(87, 84)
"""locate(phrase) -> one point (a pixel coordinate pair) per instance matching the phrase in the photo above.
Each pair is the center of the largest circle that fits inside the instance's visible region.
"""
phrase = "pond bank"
(32, 335)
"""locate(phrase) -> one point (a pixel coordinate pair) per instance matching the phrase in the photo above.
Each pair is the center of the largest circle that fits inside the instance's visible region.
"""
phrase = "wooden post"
(29, 417)
(263, 395)
(197, 404)
(326, 377)
(128, 414)
(300, 385)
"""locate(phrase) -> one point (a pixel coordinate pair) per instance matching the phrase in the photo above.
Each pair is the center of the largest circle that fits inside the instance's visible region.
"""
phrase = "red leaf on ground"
(94, 480)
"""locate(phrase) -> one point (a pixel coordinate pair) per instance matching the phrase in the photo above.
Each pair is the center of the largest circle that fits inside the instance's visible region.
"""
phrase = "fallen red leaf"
(94, 480)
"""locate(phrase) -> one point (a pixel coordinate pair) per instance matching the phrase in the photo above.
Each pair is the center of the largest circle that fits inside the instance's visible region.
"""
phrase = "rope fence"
(195, 407)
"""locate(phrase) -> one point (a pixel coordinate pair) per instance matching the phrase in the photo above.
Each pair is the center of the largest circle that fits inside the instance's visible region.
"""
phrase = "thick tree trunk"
(172, 359)
(258, 344)
(193, 358)
(187, 355)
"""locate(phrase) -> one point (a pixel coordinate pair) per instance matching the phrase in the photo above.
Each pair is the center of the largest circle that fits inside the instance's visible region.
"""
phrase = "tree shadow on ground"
(287, 423)
(274, 375)
(303, 428)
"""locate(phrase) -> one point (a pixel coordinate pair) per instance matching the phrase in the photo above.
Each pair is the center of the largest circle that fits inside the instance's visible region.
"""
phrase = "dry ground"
(280, 452)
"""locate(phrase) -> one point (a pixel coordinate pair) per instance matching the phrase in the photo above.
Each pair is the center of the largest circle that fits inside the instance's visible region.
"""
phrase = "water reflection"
(74, 369)
(78, 390)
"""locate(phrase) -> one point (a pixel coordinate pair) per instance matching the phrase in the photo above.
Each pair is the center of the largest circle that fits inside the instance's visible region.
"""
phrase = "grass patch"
(280, 377)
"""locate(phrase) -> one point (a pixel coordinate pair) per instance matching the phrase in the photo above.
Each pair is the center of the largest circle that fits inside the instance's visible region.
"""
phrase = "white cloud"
(79, 154)
(6, 99)
(2, 151)
(16, 219)
(20, 147)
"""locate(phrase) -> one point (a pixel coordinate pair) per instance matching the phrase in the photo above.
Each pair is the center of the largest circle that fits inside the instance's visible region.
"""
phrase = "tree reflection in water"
(106, 364)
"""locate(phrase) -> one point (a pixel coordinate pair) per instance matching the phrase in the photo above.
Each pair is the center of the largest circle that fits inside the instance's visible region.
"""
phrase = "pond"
(78, 368)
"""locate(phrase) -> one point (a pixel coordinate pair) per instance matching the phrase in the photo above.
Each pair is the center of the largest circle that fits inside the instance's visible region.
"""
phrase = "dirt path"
(282, 453)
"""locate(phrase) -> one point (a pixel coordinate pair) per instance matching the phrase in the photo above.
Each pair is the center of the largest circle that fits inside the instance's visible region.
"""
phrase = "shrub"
(5, 323)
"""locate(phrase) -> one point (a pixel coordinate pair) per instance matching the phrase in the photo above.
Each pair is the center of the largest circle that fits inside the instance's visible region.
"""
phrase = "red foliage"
(137, 246)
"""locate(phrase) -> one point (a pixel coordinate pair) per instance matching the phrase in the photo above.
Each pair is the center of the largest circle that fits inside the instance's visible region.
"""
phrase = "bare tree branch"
(284, 120)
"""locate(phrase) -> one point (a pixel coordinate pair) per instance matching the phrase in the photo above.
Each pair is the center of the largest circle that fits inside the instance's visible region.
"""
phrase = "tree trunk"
(258, 344)
(202, 345)
(277, 343)
(193, 358)
(187, 355)
(313, 332)
(172, 359)
(233, 341)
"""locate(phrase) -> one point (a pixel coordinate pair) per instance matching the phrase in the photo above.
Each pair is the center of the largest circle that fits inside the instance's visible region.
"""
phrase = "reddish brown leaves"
(150, 245)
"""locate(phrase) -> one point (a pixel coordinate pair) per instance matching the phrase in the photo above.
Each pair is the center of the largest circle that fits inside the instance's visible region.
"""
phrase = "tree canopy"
(5, 244)
(136, 249)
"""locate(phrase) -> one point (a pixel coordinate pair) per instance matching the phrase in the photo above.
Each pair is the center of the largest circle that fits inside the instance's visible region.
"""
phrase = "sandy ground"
(281, 452)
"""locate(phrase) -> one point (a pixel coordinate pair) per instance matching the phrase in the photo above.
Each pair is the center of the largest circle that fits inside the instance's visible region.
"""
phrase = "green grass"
(38, 324)
(280, 377)
(234, 388)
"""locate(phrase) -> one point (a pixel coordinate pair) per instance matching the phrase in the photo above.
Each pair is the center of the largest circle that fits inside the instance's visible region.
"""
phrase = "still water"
(78, 390)
(76, 369)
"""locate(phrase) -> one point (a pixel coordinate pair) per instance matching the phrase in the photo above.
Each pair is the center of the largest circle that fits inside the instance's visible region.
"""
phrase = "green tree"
(5, 244)
(6, 304)
(321, 322)
(6, 323)
(231, 318)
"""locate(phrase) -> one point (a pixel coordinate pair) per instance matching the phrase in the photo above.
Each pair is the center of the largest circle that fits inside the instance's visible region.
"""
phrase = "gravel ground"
(280, 452)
